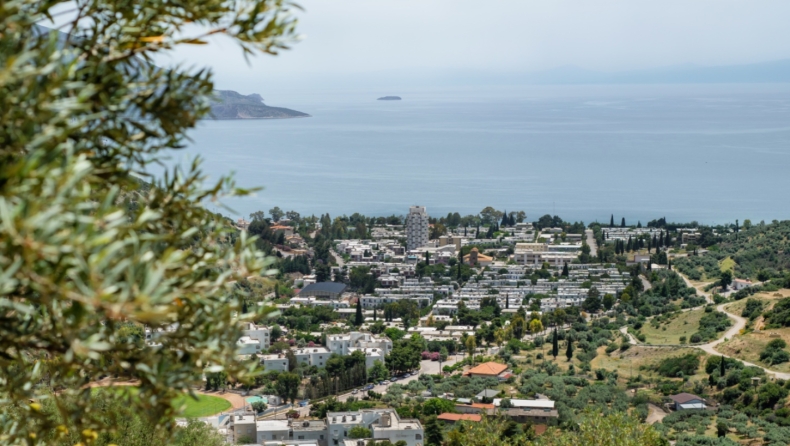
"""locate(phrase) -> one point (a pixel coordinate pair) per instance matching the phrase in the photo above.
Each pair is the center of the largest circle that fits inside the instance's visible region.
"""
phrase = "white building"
(343, 344)
(371, 355)
(269, 430)
(384, 424)
(255, 338)
(416, 228)
(274, 362)
(243, 426)
(316, 356)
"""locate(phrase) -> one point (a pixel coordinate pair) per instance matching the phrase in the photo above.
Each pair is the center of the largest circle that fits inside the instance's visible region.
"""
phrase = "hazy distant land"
(233, 105)
(390, 98)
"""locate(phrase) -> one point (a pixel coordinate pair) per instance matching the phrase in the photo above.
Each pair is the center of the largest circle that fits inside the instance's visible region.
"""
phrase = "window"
(418, 437)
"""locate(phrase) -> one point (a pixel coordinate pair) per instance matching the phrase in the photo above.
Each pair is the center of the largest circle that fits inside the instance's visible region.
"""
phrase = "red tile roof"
(459, 417)
(488, 369)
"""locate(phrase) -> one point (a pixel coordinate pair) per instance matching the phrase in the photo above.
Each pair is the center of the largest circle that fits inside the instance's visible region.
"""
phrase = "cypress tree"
(505, 219)
(565, 269)
(512, 219)
(622, 223)
(555, 346)
(569, 350)
(660, 241)
(611, 221)
(668, 240)
(639, 224)
(629, 247)
(722, 366)
(374, 315)
(358, 319)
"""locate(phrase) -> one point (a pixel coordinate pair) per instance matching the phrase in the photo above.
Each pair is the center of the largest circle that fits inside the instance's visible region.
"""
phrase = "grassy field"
(629, 362)
(204, 406)
(684, 324)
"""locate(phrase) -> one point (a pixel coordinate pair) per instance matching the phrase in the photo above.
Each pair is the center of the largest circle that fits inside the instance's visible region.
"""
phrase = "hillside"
(233, 105)
(761, 251)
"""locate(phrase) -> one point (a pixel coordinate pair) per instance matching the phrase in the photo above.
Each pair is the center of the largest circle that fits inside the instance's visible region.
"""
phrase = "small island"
(390, 98)
(232, 105)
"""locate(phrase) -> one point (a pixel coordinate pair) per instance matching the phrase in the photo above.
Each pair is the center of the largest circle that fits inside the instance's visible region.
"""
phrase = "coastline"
(252, 119)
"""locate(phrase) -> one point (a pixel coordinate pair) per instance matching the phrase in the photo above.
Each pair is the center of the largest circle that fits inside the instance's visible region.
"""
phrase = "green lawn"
(204, 406)
(685, 324)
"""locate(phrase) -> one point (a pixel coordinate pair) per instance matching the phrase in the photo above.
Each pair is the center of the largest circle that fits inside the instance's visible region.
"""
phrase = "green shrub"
(752, 309)
(779, 316)
(774, 352)
(683, 365)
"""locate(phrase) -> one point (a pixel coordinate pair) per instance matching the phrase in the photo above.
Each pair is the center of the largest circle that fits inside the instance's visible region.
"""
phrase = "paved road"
(591, 242)
(740, 323)
(710, 347)
(645, 283)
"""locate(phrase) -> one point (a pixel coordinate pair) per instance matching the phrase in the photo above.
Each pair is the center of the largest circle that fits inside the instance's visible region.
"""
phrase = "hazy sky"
(387, 37)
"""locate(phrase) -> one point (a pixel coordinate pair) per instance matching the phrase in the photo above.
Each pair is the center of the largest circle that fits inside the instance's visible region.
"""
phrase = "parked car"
(386, 382)
(381, 383)
(354, 392)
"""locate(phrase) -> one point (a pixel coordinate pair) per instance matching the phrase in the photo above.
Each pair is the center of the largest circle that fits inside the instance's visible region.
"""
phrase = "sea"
(711, 153)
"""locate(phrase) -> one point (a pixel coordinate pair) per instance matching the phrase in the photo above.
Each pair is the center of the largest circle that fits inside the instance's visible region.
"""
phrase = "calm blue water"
(711, 153)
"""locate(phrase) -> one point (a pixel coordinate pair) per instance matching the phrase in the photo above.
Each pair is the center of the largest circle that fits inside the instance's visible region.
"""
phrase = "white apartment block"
(371, 301)
(416, 228)
(316, 356)
(274, 362)
(255, 338)
(344, 344)
(384, 424)
(371, 355)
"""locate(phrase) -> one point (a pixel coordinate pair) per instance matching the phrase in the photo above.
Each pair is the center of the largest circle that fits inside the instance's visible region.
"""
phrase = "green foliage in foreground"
(128, 427)
(617, 429)
(87, 248)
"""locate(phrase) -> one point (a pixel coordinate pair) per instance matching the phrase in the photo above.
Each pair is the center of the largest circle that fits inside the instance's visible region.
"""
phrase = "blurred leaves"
(91, 248)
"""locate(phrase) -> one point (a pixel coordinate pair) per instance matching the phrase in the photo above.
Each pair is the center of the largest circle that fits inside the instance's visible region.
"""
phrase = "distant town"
(377, 312)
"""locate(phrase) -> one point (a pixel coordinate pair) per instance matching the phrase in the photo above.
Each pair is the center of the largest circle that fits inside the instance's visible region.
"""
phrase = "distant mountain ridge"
(772, 71)
(233, 105)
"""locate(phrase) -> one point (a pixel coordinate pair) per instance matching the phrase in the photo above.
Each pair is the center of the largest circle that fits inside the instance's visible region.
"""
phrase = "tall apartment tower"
(416, 227)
